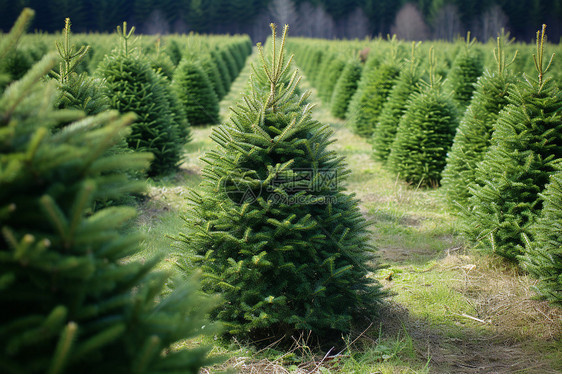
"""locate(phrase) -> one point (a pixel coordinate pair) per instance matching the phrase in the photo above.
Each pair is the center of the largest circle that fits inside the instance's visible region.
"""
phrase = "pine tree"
(330, 78)
(134, 86)
(178, 116)
(211, 69)
(543, 255)
(162, 63)
(71, 298)
(223, 70)
(237, 55)
(196, 93)
(394, 108)
(16, 61)
(474, 134)
(322, 69)
(526, 142)
(9, 42)
(345, 88)
(466, 69)
(173, 50)
(84, 93)
(305, 59)
(366, 104)
(315, 61)
(271, 226)
(425, 134)
(207, 62)
(78, 91)
(230, 63)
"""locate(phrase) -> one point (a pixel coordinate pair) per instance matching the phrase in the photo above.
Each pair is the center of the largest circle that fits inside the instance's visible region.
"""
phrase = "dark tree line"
(319, 18)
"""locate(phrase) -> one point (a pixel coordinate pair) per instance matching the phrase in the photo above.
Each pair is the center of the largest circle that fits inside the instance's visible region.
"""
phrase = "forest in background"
(419, 19)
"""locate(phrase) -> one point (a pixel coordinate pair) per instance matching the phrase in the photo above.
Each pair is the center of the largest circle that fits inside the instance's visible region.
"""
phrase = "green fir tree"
(173, 50)
(330, 78)
(313, 67)
(367, 102)
(72, 300)
(17, 63)
(8, 45)
(161, 62)
(178, 116)
(407, 83)
(543, 255)
(526, 142)
(85, 93)
(229, 62)
(464, 73)
(424, 134)
(78, 91)
(236, 52)
(207, 61)
(211, 69)
(323, 68)
(345, 88)
(195, 92)
(135, 87)
(271, 226)
(474, 134)
(223, 70)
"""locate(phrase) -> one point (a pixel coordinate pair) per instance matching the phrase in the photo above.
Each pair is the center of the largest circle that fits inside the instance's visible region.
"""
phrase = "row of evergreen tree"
(241, 16)
(503, 172)
(71, 298)
(398, 100)
(170, 84)
(286, 247)
(292, 255)
(489, 139)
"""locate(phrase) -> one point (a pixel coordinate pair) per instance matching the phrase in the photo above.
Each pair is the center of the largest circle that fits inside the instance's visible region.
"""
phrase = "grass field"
(452, 310)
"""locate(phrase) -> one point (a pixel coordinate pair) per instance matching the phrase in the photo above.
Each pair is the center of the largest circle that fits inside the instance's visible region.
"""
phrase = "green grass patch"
(429, 292)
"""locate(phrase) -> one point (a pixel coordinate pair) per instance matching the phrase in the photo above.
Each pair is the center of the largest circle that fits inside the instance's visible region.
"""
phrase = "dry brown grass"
(247, 366)
(299, 358)
(503, 297)
(510, 331)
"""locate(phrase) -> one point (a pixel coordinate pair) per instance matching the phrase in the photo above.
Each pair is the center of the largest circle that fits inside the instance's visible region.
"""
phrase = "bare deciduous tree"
(447, 23)
(489, 25)
(305, 12)
(283, 12)
(180, 26)
(260, 26)
(409, 24)
(315, 22)
(356, 24)
(156, 23)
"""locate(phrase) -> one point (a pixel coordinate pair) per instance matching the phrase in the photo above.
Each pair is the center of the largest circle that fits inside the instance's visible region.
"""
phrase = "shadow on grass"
(472, 313)
(411, 239)
(459, 346)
